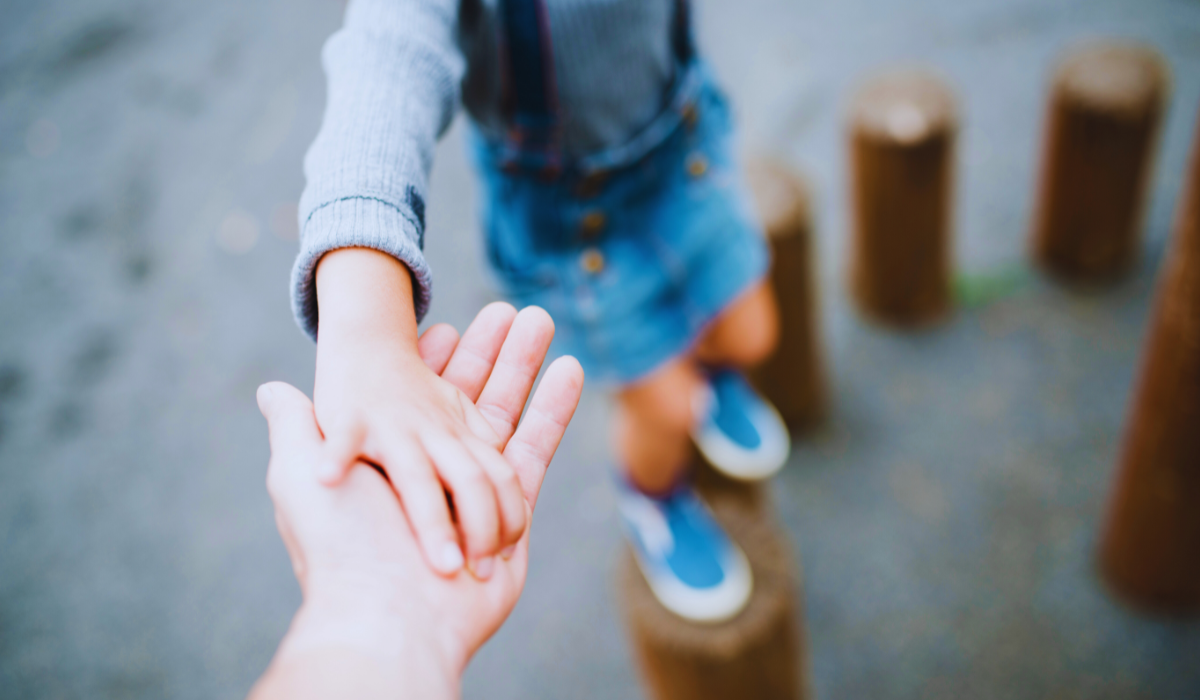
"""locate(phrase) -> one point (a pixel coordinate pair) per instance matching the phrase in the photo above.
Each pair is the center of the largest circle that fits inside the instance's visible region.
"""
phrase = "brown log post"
(1105, 107)
(792, 377)
(1150, 549)
(902, 133)
(760, 654)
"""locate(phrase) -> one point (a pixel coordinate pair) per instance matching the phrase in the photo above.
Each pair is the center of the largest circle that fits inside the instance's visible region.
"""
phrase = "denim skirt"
(634, 261)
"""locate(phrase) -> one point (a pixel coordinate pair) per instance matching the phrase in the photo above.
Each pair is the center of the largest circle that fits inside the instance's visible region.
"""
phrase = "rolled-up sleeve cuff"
(357, 222)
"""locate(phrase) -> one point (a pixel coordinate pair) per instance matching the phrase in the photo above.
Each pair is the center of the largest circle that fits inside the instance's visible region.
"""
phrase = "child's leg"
(692, 566)
(746, 333)
(741, 434)
(655, 416)
(652, 425)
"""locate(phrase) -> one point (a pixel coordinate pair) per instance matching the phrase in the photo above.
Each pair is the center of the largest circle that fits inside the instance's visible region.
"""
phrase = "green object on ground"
(979, 289)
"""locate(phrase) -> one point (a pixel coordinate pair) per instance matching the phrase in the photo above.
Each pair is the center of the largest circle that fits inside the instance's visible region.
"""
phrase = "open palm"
(353, 541)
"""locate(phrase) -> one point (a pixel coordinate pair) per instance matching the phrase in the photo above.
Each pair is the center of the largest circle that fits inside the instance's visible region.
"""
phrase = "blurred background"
(945, 516)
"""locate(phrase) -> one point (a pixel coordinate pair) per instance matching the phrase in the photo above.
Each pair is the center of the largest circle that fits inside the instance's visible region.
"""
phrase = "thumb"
(290, 419)
(342, 450)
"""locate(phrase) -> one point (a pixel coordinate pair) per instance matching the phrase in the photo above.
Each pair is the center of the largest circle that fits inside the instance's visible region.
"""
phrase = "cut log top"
(1118, 78)
(780, 197)
(903, 107)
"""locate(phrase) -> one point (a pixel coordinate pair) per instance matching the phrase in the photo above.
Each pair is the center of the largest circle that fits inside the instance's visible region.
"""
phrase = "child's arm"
(393, 72)
(361, 284)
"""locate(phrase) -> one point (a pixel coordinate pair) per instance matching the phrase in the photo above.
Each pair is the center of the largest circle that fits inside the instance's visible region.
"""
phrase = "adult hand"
(376, 620)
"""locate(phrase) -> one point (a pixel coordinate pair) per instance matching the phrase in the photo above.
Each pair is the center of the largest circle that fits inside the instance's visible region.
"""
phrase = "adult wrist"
(356, 615)
(372, 620)
(344, 647)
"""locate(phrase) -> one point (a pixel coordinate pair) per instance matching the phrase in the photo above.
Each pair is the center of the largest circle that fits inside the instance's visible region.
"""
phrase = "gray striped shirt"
(397, 71)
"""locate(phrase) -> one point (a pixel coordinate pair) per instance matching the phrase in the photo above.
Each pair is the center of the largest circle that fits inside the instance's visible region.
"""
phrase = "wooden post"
(1106, 104)
(762, 653)
(791, 378)
(1150, 550)
(902, 133)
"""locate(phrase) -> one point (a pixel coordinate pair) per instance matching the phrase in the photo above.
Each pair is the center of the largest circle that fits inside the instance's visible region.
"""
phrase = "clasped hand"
(434, 413)
(375, 616)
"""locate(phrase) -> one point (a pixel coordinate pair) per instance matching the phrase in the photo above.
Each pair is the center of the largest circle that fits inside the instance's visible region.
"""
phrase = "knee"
(756, 342)
(747, 335)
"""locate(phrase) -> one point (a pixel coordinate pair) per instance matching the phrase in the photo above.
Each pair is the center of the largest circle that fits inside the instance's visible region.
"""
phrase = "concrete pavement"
(946, 517)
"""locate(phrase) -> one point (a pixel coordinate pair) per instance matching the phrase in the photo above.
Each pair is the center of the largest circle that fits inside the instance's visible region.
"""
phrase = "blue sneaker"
(692, 566)
(737, 431)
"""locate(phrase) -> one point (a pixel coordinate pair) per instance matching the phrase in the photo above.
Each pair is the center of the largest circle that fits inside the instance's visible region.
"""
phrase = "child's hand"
(378, 400)
(374, 620)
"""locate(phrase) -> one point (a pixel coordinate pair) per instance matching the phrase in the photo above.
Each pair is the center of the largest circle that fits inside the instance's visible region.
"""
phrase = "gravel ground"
(946, 516)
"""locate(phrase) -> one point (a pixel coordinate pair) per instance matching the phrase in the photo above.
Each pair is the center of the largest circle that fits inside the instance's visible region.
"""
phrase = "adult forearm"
(339, 654)
(328, 673)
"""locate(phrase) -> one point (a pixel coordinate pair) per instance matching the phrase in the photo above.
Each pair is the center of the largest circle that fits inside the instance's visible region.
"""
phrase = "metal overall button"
(592, 261)
(590, 185)
(691, 115)
(592, 225)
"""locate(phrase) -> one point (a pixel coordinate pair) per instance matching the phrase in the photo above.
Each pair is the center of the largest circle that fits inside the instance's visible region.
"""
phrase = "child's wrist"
(364, 295)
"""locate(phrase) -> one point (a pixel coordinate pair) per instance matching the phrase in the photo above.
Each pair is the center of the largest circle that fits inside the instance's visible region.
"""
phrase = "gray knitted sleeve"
(393, 73)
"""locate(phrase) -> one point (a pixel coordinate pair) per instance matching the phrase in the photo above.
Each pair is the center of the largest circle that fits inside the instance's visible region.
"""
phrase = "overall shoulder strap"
(529, 91)
(681, 33)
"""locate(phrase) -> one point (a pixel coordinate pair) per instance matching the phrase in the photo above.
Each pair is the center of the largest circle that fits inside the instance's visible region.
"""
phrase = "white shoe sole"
(737, 462)
(708, 606)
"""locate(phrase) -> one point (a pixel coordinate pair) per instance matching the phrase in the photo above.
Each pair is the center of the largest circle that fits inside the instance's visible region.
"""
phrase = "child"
(611, 199)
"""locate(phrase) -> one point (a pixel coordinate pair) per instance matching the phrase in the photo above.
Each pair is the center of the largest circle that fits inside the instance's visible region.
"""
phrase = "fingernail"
(507, 552)
(483, 568)
(451, 557)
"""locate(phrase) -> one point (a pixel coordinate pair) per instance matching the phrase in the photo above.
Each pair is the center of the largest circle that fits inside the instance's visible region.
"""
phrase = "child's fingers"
(533, 444)
(342, 449)
(436, 345)
(509, 497)
(476, 353)
(520, 358)
(424, 502)
(474, 501)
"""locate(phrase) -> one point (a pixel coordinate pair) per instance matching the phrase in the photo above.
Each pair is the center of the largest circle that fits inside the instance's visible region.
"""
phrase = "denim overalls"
(632, 250)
